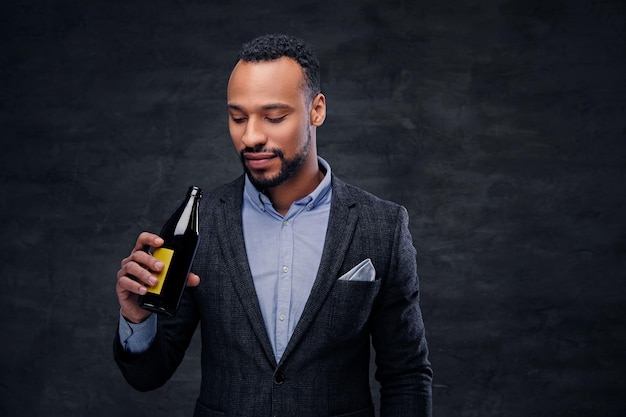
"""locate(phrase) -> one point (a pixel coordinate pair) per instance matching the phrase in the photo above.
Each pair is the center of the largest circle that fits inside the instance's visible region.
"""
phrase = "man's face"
(269, 119)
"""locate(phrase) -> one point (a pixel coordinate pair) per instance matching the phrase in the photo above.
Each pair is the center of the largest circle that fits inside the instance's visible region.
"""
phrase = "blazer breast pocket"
(351, 304)
(364, 271)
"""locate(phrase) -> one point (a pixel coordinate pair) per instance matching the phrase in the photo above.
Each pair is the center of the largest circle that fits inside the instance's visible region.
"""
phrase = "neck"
(300, 185)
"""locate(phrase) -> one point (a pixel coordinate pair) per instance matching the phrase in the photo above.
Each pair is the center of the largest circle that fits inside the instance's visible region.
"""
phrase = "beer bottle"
(181, 238)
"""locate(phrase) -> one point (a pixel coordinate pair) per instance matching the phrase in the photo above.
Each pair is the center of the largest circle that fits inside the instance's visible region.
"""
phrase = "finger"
(137, 272)
(145, 260)
(126, 286)
(147, 239)
(193, 280)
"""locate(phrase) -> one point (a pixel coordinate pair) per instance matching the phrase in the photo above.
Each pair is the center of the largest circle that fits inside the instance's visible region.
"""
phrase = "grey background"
(498, 124)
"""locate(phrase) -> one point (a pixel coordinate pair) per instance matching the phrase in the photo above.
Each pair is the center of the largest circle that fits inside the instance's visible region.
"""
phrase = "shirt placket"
(283, 293)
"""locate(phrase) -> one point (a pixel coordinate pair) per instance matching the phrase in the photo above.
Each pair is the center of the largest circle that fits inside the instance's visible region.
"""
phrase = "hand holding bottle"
(138, 272)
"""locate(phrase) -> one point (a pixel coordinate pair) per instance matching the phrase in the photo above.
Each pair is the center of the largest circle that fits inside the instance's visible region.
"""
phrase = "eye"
(276, 119)
(237, 120)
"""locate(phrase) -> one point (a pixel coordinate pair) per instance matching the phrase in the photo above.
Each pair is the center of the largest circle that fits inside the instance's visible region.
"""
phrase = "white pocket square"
(364, 271)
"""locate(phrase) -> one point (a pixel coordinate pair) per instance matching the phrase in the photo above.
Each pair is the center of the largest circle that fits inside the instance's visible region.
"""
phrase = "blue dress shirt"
(284, 254)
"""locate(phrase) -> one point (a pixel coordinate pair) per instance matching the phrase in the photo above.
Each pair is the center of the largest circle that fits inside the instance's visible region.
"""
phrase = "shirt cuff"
(137, 337)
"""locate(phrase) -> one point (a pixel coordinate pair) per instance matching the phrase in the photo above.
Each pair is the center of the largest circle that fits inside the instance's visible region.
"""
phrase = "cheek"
(289, 137)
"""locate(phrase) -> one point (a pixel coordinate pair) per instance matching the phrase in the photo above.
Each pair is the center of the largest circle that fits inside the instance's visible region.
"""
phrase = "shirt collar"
(262, 202)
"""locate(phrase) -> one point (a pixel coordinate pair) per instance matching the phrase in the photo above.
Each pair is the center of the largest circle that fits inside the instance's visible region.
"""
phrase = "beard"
(289, 167)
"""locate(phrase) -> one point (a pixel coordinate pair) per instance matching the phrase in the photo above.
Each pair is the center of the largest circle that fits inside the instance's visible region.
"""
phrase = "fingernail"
(142, 290)
(153, 280)
(158, 265)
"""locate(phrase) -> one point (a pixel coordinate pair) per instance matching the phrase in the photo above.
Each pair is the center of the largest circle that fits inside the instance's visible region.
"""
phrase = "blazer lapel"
(230, 233)
(341, 226)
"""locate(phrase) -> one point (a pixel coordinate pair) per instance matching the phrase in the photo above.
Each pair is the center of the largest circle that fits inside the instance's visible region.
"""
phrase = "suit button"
(279, 378)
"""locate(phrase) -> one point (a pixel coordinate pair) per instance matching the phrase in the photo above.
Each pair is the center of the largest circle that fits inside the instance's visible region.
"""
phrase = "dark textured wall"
(500, 125)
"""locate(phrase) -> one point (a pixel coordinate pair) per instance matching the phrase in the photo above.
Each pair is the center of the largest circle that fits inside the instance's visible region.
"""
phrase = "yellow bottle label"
(164, 255)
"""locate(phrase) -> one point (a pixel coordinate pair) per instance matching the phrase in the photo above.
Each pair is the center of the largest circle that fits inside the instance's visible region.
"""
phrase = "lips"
(259, 160)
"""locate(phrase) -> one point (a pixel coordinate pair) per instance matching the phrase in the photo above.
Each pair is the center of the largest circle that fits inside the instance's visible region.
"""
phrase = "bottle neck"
(189, 217)
(185, 217)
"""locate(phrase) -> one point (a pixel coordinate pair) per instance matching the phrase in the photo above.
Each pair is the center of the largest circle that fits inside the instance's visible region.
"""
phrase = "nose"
(253, 135)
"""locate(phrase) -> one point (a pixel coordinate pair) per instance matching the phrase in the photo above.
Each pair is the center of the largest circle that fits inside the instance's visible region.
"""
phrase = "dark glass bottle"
(181, 237)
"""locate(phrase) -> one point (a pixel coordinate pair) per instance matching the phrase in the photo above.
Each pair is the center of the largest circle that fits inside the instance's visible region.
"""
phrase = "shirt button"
(281, 317)
(285, 269)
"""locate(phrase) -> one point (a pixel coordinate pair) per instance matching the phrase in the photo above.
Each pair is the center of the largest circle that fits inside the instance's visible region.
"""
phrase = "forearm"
(407, 395)
(403, 368)
(150, 368)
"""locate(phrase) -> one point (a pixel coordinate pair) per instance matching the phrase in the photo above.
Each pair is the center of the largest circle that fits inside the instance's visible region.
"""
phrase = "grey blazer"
(324, 370)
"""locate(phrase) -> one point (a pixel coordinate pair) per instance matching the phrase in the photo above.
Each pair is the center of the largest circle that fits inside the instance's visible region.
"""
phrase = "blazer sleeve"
(153, 368)
(398, 333)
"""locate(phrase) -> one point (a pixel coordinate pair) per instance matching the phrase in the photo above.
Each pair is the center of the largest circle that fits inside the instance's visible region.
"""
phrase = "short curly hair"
(274, 46)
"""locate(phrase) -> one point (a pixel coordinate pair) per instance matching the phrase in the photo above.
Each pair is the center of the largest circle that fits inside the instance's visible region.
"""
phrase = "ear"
(318, 110)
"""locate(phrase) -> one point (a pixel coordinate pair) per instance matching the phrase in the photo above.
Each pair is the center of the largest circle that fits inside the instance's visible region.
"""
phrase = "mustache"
(274, 151)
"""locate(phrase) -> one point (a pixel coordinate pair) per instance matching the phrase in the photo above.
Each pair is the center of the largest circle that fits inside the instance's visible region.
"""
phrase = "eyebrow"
(271, 106)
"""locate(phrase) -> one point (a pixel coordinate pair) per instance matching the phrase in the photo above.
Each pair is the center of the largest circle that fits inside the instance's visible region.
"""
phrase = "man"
(296, 270)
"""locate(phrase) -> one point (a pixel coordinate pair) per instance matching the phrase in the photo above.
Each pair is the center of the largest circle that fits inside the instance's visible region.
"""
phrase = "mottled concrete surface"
(500, 125)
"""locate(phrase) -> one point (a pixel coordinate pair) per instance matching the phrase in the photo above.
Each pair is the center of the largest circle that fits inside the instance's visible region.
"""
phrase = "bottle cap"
(195, 191)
